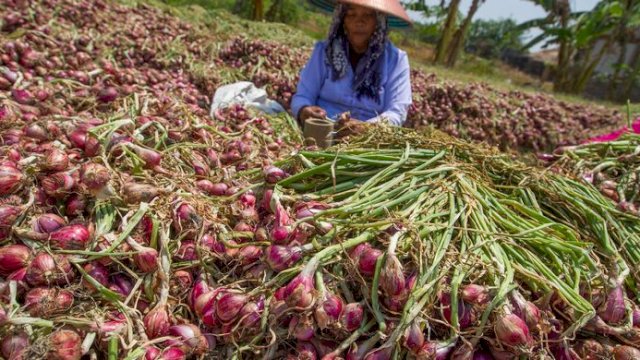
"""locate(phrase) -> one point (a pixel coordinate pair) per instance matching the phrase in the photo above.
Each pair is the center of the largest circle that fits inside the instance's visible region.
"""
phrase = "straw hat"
(398, 17)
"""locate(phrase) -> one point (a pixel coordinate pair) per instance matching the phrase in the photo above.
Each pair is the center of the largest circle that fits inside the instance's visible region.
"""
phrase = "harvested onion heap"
(611, 166)
(93, 127)
(370, 250)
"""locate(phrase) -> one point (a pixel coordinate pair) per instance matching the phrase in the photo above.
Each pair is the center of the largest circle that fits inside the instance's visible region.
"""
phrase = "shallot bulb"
(250, 315)
(98, 272)
(48, 223)
(172, 353)
(13, 257)
(156, 322)
(624, 352)
(590, 348)
(188, 338)
(35, 131)
(414, 338)
(152, 353)
(329, 310)
(94, 176)
(205, 308)
(229, 305)
(10, 180)
(359, 351)
(392, 279)
(465, 311)
(55, 160)
(75, 205)
(46, 270)
(8, 215)
(15, 346)
(47, 301)
(151, 158)
(217, 189)
(274, 174)
(352, 316)
(281, 258)
(511, 330)
(185, 219)
(58, 185)
(636, 317)
(302, 327)
(65, 345)
(72, 237)
(613, 311)
(436, 350)
(146, 259)
(78, 138)
(121, 284)
(475, 294)
(22, 96)
(305, 351)
(299, 291)
(107, 95)
(526, 310)
(383, 353)
(367, 261)
(134, 193)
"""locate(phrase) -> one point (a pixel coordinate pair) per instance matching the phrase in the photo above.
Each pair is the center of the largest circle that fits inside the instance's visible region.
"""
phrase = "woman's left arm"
(397, 93)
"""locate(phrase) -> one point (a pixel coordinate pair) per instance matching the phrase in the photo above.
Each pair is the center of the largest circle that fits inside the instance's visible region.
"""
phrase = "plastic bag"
(612, 136)
(247, 94)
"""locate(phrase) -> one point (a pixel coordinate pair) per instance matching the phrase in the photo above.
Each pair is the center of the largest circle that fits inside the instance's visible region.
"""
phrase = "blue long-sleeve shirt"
(317, 88)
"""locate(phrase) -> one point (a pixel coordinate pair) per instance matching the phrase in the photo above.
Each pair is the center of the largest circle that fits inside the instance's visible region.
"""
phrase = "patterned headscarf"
(367, 73)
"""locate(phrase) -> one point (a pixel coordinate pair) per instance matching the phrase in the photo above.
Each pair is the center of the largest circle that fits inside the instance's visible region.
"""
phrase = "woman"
(357, 69)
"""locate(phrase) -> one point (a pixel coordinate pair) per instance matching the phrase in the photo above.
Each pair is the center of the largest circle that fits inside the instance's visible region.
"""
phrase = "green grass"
(224, 25)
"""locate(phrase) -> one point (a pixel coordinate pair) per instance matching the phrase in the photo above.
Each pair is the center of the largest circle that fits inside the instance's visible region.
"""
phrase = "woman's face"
(359, 25)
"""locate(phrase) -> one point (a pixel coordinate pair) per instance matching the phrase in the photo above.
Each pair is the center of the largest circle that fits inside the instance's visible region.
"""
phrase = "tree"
(444, 44)
(490, 38)
(284, 11)
(454, 31)
(258, 10)
(460, 34)
(429, 30)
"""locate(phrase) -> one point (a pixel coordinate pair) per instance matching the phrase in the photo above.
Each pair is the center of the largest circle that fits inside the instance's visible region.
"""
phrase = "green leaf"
(535, 23)
(615, 9)
(634, 21)
(107, 294)
(105, 218)
(548, 5)
(536, 40)
(133, 222)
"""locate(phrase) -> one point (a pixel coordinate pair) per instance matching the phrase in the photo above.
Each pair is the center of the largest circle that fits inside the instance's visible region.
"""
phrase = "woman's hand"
(348, 126)
(311, 112)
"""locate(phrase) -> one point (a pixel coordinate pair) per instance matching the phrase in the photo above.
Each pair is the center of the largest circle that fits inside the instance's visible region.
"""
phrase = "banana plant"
(576, 34)
(626, 73)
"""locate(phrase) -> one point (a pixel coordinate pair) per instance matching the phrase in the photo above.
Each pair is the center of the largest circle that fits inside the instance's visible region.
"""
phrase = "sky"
(519, 10)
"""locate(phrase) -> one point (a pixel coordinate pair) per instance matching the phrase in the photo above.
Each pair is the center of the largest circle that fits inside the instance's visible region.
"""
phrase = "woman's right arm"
(311, 79)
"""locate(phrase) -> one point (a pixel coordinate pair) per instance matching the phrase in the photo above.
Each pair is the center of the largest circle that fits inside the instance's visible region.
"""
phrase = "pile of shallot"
(105, 140)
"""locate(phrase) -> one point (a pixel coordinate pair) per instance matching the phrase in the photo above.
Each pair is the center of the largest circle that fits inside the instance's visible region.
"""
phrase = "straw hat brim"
(398, 17)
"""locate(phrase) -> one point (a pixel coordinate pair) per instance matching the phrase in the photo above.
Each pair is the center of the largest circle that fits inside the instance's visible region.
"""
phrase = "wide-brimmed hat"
(398, 17)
